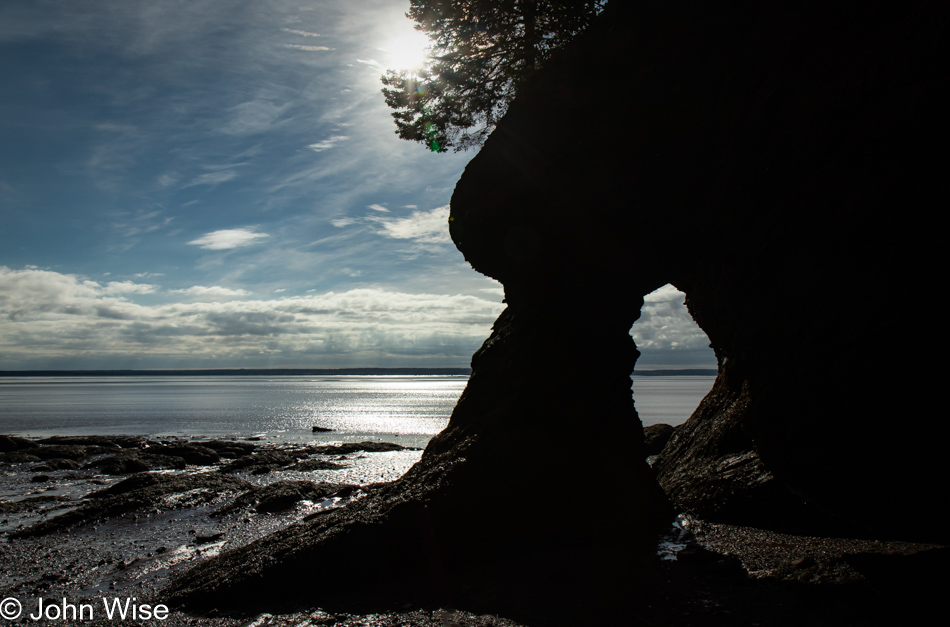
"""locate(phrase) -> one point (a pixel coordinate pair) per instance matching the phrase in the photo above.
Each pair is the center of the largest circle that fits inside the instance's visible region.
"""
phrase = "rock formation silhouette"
(778, 162)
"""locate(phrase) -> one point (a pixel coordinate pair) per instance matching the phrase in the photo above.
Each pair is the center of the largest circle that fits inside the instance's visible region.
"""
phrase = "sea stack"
(774, 161)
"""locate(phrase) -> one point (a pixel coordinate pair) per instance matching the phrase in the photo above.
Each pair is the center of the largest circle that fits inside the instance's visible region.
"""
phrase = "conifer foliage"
(481, 51)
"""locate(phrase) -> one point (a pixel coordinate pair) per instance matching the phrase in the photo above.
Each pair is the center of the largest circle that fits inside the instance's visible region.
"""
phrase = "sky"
(218, 184)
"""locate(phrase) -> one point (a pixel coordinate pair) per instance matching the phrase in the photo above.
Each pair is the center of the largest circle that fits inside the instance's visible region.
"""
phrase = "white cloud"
(128, 287)
(302, 33)
(664, 294)
(380, 208)
(47, 317)
(665, 323)
(327, 143)
(228, 238)
(426, 227)
(308, 48)
(214, 290)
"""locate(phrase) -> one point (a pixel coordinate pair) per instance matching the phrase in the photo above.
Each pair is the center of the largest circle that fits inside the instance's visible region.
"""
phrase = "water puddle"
(675, 540)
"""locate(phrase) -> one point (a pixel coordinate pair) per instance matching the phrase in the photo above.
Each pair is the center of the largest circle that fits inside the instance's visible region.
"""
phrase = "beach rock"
(309, 465)
(59, 464)
(152, 458)
(266, 461)
(18, 457)
(31, 504)
(193, 454)
(75, 452)
(655, 438)
(282, 495)
(122, 465)
(14, 443)
(135, 482)
(348, 448)
(710, 467)
(263, 462)
(139, 492)
(104, 441)
(228, 449)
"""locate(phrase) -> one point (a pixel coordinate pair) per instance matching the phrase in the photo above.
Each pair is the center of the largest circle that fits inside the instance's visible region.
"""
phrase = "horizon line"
(306, 371)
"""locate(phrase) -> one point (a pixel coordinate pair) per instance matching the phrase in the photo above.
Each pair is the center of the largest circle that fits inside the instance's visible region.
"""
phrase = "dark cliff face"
(776, 163)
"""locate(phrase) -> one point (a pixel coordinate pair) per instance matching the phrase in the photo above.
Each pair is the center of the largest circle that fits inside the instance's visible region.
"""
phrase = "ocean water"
(669, 399)
(277, 408)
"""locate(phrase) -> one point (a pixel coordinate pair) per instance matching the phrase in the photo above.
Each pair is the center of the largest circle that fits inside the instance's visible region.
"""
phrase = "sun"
(406, 51)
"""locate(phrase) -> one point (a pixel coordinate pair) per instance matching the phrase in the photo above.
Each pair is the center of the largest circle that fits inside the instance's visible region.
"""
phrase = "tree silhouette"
(481, 51)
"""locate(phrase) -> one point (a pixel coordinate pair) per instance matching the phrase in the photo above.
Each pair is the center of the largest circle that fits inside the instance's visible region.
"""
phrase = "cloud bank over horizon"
(50, 320)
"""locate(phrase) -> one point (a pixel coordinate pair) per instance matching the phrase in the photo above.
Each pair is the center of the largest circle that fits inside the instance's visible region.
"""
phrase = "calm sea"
(281, 408)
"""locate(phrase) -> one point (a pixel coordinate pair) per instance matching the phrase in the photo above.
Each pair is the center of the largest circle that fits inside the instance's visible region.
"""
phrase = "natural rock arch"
(790, 147)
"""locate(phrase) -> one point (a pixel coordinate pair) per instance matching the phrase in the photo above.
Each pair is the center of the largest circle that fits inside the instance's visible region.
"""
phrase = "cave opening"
(676, 367)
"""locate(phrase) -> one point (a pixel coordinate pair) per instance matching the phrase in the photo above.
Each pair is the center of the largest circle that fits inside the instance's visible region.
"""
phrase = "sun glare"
(406, 51)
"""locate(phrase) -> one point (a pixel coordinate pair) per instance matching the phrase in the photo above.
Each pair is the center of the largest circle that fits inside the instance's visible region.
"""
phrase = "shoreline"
(101, 534)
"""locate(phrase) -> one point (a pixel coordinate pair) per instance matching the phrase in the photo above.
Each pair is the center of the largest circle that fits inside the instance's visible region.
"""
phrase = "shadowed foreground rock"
(490, 517)
(772, 160)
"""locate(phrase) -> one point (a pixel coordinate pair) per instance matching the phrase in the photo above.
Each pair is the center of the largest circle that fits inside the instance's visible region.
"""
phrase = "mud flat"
(77, 530)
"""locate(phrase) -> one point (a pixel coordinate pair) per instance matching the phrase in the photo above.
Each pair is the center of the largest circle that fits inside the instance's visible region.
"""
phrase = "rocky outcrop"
(772, 160)
(137, 492)
(9, 443)
(282, 495)
(774, 163)
(655, 438)
(710, 468)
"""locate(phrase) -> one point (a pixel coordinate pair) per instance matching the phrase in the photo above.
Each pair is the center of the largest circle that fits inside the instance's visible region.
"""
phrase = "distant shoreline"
(223, 372)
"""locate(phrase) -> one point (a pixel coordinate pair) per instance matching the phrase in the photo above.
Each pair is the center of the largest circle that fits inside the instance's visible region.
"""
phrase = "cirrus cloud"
(226, 239)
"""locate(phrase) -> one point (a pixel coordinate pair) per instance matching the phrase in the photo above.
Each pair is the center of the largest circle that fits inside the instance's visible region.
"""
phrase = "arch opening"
(676, 367)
